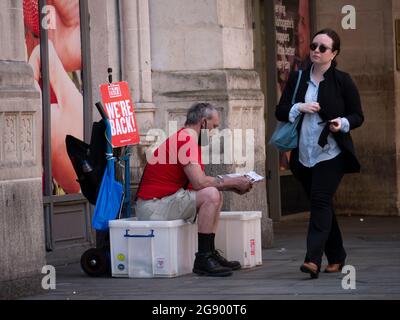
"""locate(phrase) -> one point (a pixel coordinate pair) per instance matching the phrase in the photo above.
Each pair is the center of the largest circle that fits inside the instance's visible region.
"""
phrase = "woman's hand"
(309, 107)
(335, 125)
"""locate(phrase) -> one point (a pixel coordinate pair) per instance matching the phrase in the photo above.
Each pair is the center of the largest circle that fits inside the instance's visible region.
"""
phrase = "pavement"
(372, 245)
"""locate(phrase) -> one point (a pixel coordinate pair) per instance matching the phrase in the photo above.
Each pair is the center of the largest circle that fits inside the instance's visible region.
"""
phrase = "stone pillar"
(136, 70)
(203, 51)
(136, 48)
(136, 59)
(367, 54)
(104, 45)
(120, 38)
(22, 253)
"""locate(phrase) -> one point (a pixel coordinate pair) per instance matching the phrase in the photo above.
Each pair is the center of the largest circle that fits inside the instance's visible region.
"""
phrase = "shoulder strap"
(297, 87)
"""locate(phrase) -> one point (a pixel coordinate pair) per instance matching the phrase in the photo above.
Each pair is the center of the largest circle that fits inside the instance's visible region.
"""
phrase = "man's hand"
(199, 180)
(242, 185)
(239, 192)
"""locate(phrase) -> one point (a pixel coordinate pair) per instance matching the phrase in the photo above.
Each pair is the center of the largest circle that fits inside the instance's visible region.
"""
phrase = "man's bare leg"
(208, 203)
(218, 213)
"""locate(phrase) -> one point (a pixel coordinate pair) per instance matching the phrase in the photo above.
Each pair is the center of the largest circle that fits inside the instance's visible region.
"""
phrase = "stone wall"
(203, 51)
(22, 253)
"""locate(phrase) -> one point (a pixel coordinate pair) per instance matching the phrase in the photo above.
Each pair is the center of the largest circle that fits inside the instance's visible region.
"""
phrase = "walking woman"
(329, 105)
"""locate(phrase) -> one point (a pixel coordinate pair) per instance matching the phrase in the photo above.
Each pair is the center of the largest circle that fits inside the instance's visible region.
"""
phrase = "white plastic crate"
(239, 237)
(143, 249)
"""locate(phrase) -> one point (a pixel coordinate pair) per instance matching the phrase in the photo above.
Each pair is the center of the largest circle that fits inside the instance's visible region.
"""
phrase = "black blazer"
(338, 97)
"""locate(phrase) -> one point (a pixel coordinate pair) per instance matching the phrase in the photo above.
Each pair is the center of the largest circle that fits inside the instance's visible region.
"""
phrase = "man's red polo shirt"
(163, 174)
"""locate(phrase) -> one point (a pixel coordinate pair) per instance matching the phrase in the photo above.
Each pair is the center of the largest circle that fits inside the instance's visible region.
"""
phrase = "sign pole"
(119, 107)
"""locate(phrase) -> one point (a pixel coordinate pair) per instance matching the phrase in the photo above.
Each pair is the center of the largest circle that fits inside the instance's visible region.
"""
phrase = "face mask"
(203, 136)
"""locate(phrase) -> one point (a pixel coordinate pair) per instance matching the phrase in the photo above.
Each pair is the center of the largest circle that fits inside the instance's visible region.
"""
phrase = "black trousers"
(320, 183)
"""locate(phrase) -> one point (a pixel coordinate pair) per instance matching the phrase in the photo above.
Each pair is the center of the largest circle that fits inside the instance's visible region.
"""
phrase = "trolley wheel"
(95, 262)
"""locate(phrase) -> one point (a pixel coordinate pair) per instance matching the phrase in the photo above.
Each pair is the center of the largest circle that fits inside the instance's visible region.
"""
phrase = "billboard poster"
(62, 21)
(292, 27)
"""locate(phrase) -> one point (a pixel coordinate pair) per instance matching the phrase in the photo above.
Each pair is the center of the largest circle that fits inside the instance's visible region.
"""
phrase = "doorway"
(282, 31)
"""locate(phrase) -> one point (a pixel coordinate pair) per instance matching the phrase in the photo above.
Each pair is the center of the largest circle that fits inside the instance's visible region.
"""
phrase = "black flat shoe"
(307, 268)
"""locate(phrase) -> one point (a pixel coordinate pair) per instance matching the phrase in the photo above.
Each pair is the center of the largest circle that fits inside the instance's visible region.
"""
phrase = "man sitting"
(174, 186)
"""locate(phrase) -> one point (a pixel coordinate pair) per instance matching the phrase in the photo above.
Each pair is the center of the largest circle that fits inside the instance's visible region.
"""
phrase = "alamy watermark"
(349, 20)
(49, 280)
(349, 280)
(49, 20)
(227, 146)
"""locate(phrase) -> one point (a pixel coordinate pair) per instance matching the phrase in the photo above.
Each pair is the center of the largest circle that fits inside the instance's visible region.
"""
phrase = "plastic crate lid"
(134, 223)
(240, 215)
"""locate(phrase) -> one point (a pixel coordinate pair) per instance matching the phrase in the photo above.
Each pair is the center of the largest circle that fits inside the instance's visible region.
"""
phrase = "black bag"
(89, 161)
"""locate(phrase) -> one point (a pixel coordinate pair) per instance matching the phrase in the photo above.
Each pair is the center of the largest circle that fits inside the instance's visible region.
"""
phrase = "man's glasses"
(322, 48)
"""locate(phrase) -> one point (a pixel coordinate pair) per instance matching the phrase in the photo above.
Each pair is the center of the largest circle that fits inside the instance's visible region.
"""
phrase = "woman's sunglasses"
(322, 48)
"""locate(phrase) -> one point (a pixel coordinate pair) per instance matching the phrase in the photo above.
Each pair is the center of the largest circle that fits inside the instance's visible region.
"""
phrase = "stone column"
(104, 45)
(22, 253)
(136, 48)
(203, 51)
(120, 38)
(136, 70)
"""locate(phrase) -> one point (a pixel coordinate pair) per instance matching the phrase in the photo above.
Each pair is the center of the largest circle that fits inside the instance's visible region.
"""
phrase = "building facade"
(235, 54)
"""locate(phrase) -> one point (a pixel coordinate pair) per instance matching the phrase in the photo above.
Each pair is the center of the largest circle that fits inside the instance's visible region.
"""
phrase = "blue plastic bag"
(285, 136)
(109, 199)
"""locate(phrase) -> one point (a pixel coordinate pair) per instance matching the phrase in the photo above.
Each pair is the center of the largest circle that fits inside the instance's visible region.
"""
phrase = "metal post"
(127, 200)
(109, 71)
(273, 185)
(46, 124)
(86, 68)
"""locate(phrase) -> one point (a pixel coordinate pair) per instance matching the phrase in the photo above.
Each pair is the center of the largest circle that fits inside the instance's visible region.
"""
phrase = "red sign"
(118, 106)
(252, 247)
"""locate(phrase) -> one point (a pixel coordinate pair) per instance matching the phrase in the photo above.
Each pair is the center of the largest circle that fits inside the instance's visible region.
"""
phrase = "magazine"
(253, 176)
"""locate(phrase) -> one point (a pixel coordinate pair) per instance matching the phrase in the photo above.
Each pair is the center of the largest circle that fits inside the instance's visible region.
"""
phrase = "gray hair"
(198, 111)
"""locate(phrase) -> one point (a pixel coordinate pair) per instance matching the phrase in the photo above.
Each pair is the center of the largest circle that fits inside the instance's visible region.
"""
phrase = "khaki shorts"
(180, 205)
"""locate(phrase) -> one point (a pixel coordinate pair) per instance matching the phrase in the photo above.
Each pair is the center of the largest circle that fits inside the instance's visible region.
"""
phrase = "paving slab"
(372, 244)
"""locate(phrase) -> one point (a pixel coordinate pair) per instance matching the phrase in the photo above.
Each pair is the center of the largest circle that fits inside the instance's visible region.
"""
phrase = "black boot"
(205, 264)
(234, 265)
